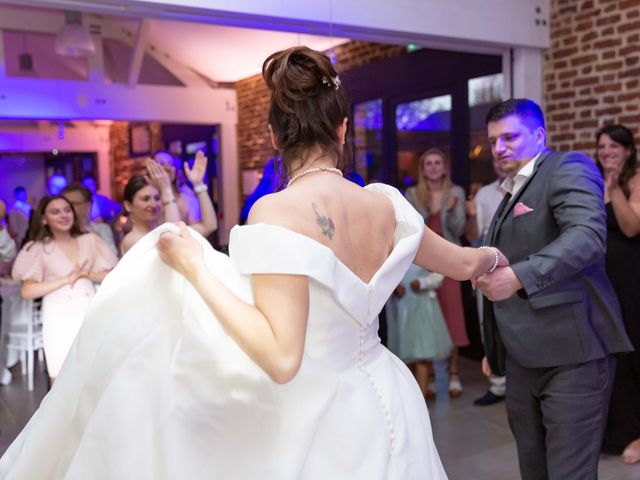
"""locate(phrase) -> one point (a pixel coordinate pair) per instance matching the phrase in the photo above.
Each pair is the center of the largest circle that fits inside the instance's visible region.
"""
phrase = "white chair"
(22, 329)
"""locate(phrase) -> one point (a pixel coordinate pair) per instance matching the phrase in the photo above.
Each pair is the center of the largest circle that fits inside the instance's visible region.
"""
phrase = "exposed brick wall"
(592, 70)
(254, 146)
(124, 167)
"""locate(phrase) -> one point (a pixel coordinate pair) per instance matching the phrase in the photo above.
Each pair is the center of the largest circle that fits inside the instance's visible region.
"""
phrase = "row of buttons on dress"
(385, 407)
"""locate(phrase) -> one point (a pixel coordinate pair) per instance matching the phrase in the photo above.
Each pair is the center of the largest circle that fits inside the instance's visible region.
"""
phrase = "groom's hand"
(501, 284)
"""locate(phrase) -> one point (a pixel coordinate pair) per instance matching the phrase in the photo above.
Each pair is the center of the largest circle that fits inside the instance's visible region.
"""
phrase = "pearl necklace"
(309, 171)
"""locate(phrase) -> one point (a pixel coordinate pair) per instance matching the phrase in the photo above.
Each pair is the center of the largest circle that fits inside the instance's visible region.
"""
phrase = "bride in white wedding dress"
(265, 364)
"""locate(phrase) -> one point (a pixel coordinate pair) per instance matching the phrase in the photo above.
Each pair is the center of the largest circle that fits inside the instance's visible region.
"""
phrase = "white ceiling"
(227, 54)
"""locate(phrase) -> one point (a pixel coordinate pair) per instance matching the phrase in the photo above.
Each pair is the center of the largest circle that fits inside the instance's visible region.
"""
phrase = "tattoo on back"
(326, 224)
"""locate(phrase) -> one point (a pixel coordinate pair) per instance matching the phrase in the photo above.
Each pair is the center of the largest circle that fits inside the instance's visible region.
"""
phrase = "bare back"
(358, 225)
(130, 239)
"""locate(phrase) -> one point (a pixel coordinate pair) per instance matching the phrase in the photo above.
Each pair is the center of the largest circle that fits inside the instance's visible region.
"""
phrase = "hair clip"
(333, 82)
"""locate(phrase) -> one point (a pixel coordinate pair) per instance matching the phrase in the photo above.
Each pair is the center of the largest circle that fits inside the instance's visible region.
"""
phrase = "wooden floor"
(474, 442)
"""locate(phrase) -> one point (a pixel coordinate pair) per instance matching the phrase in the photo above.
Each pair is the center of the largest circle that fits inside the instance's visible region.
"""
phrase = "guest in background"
(143, 206)
(269, 183)
(355, 177)
(7, 252)
(416, 329)
(103, 209)
(617, 158)
(20, 201)
(18, 215)
(7, 244)
(441, 204)
(480, 210)
(56, 183)
(203, 221)
(60, 263)
(81, 198)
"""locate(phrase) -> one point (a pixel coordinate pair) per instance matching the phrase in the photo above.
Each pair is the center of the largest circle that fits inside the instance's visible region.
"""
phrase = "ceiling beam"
(29, 98)
(186, 76)
(139, 48)
(96, 61)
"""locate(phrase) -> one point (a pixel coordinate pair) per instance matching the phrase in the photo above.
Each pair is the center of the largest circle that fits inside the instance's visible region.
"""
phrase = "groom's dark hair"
(527, 110)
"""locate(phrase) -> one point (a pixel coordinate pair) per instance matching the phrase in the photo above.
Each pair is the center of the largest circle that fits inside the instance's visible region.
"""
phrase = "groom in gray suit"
(553, 321)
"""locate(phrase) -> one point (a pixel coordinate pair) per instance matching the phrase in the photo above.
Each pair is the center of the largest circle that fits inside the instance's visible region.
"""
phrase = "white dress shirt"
(487, 200)
(513, 185)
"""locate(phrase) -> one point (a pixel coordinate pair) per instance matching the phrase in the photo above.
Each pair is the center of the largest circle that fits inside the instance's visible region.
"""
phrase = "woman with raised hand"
(200, 214)
(148, 201)
(266, 363)
(61, 263)
(142, 204)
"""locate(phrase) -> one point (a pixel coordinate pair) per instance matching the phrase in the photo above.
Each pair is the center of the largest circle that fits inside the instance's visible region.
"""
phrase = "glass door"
(368, 123)
(420, 124)
(484, 92)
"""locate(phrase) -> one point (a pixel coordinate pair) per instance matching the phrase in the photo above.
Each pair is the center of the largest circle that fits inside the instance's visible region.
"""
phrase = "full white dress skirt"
(153, 388)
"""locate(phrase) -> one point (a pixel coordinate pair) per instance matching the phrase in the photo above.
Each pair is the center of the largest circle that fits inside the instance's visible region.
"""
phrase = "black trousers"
(557, 416)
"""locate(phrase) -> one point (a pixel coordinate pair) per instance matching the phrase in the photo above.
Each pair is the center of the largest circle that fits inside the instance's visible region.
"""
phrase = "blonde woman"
(441, 204)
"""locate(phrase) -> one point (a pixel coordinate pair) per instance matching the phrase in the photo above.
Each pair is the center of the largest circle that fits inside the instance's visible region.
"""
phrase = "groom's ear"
(541, 136)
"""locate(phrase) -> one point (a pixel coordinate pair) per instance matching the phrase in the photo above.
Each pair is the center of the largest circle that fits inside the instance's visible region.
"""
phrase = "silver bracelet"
(200, 188)
(496, 257)
(168, 202)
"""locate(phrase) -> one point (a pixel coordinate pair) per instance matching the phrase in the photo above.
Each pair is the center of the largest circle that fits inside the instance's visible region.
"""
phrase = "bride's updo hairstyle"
(307, 107)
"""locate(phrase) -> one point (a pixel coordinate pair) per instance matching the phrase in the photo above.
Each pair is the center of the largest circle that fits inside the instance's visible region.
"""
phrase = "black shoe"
(488, 398)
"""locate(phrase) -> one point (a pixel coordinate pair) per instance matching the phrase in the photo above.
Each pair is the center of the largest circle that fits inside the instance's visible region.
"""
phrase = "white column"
(230, 168)
(139, 48)
(103, 157)
(507, 65)
(527, 73)
(3, 64)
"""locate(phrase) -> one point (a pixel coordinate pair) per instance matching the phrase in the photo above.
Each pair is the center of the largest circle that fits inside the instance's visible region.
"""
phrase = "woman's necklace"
(308, 171)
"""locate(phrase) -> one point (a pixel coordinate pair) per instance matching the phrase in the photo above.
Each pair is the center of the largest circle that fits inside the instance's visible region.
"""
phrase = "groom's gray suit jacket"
(566, 312)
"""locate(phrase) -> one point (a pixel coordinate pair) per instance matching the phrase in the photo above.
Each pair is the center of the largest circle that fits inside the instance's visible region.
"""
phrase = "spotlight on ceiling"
(73, 38)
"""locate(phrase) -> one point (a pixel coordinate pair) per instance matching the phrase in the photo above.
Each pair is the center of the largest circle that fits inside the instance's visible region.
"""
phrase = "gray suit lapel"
(501, 215)
(492, 226)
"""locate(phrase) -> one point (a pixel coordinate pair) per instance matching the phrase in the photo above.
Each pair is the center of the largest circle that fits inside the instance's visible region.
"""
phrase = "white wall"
(84, 137)
(29, 98)
(527, 74)
(495, 22)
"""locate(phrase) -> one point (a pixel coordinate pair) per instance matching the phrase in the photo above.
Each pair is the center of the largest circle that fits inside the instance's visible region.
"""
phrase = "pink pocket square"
(520, 209)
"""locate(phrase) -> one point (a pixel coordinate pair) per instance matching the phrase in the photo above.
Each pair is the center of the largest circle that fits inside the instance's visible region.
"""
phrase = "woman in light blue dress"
(417, 332)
